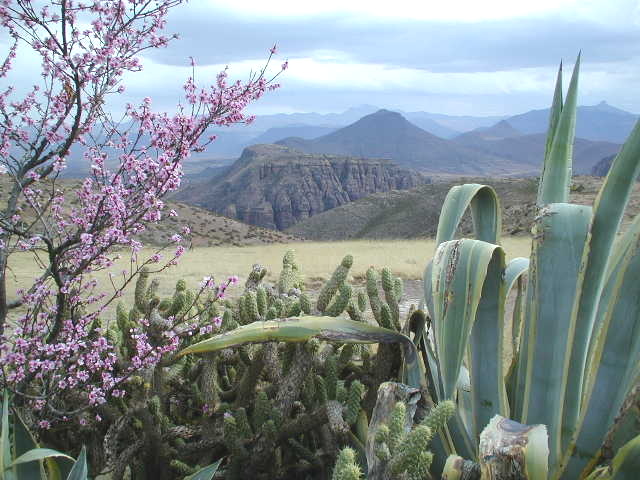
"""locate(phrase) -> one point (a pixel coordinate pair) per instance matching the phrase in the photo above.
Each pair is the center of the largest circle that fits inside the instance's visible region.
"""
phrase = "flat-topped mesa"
(275, 186)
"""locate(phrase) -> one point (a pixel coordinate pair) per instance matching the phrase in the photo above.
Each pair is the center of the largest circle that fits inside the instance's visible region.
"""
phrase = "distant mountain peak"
(384, 116)
(603, 106)
(383, 112)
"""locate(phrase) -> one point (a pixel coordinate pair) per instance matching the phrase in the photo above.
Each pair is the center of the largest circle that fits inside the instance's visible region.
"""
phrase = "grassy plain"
(406, 258)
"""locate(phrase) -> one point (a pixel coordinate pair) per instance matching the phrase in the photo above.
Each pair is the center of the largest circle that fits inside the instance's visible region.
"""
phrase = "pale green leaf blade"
(25, 442)
(608, 212)
(305, 328)
(514, 277)
(626, 463)
(205, 473)
(614, 361)
(560, 235)
(556, 171)
(459, 271)
(37, 454)
(80, 471)
(485, 210)
(486, 370)
(554, 114)
(5, 446)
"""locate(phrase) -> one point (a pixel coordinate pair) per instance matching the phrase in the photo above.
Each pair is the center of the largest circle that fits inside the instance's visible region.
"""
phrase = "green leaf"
(514, 277)
(613, 367)
(626, 463)
(305, 328)
(554, 114)
(38, 454)
(560, 233)
(488, 392)
(24, 442)
(608, 212)
(556, 170)
(205, 473)
(459, 271)
(80, 470)
(5, 446)
(485, 211)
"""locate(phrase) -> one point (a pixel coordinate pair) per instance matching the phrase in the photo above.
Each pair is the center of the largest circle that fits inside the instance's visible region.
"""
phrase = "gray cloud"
(491, 67)
(217, 36)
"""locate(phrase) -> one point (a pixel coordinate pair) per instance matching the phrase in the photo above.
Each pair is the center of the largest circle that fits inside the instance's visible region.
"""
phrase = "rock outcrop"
(274, 186)
(601, 168)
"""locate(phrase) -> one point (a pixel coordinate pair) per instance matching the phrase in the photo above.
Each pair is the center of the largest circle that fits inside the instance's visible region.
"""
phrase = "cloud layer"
(456, 57)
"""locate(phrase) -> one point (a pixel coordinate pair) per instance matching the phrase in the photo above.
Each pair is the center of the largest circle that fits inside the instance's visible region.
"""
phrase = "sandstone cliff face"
(274, 186)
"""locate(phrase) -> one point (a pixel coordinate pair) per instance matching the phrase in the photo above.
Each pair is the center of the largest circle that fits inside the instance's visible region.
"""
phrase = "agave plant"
(575, 325)
(22, 459)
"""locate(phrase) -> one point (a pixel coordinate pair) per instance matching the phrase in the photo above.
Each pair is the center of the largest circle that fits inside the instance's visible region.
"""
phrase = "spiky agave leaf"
(305, 328)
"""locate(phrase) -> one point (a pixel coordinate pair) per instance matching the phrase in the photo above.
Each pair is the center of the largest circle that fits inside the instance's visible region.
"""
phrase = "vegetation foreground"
(287, 380)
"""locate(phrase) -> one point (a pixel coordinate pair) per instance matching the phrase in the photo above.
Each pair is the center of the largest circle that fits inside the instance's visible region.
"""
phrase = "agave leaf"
(560, 233)
(556, 171)
(24, 442)
(626, 463)
(37, 454)
(613, 367)
(554, 114)
(5, 446)
(80, 471)
(205, 473)
(459, 272)
(608, 211)
(488, 392)
(485, 210)
(514, 277)
(305, 328)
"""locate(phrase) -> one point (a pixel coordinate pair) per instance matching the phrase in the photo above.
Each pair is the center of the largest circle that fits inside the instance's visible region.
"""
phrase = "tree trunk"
(389, 394)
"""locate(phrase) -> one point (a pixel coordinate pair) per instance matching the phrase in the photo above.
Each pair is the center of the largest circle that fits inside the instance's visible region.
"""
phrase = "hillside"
(274, 186)
(414, 213)
(207, 228)
(386, 134)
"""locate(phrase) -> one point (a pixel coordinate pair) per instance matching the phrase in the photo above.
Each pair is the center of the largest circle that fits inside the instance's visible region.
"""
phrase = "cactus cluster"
(405, 453)
(272, 409)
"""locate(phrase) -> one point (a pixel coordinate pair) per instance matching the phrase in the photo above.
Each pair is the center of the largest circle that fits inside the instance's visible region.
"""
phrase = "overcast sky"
(490, 57)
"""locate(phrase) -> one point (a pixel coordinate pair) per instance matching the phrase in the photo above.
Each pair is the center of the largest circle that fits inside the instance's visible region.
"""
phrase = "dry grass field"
(406, 258)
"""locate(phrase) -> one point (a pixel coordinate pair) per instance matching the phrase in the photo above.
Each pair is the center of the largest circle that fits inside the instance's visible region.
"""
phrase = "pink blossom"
(50, 354)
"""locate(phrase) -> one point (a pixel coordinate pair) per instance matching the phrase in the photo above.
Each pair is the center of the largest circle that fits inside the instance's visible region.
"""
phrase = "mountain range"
(500, 150)
(601, 122)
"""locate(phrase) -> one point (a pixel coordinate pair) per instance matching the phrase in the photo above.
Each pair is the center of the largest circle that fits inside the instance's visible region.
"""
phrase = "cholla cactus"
(269, 408)
(405, 454)
(346, 467)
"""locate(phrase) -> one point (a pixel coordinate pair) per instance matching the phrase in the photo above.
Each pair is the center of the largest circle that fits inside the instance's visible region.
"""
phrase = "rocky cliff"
(274, 186)
(601, 168)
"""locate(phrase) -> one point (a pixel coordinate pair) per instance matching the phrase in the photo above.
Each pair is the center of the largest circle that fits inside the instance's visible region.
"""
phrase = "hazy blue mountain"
(386, 134)
(596, 122)
(422, 120)
(456, 124)
(504, 141)
(302, 131)
(500, 130)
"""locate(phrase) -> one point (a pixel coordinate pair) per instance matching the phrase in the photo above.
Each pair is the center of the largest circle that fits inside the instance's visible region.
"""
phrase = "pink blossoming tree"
(57, 344)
